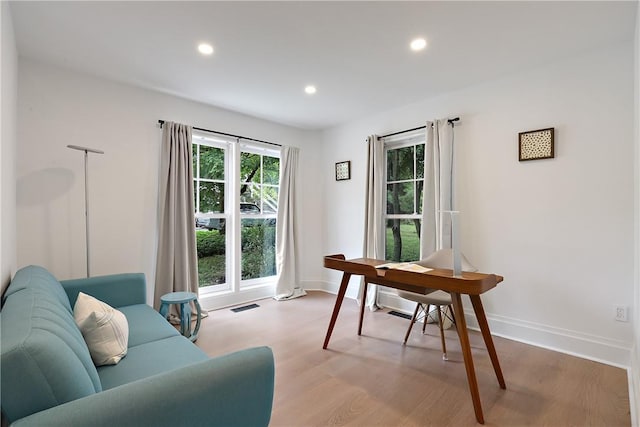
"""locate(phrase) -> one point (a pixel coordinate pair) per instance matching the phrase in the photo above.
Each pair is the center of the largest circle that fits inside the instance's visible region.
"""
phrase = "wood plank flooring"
(373, 380)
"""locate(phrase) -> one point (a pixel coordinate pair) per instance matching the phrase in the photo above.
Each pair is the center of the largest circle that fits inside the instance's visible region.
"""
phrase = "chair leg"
(453, 318)
(426, 317)
(440, 324)
(413, 320)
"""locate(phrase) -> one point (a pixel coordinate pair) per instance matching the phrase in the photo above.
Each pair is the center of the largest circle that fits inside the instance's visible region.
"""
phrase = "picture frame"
(536, 144)
(343, 170)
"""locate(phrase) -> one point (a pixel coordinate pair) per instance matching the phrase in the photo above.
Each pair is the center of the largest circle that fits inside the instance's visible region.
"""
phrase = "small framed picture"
(343, 170)
(535, 144)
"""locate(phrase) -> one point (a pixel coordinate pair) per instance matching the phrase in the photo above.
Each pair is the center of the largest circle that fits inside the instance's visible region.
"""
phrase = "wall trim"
(574, 343)
(633, 373)
(220, 300)
(586, 346)
(329, 287)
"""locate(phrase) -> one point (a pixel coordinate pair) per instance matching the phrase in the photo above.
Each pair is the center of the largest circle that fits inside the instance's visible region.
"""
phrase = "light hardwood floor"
(373, 380)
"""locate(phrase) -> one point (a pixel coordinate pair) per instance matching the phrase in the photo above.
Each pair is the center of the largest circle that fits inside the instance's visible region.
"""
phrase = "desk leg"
(336, 308)
(461, 326)
(488, 340)
(362, 304)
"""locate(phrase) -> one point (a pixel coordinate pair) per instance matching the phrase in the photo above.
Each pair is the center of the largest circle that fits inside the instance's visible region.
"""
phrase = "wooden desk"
(472, 284)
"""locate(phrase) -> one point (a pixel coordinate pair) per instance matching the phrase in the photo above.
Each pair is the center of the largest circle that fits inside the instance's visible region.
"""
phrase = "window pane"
(420, 161)
(400, 198)
(270, 201)
(258, 248)
(195, 196)
(212, 197)
(206, 223)
(194, 159)
(249, 167)
(211, 163)
(402, 240)
(257, 181)
(400, 164)
(249, 209)
(271, 170)
(211, 247)
(250, 193)
(419, 195)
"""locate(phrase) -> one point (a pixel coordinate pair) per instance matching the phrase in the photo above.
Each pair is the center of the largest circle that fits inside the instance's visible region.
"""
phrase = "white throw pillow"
(105, 329)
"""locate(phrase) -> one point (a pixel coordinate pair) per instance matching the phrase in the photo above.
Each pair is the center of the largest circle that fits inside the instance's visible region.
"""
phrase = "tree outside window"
(209, 189)
(257, 181)
(405, 182)
(259, 176)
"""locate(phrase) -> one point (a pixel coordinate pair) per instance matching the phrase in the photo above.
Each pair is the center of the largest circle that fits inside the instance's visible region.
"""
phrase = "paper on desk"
(406, 266)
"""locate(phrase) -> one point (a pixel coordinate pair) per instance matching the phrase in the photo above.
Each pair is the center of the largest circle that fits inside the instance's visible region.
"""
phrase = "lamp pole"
(86, 196)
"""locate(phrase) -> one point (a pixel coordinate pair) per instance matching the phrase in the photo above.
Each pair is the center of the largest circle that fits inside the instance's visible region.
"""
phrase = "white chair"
(440, 299)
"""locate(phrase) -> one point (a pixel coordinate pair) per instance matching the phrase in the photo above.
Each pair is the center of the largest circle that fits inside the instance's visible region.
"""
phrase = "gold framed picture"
(536, 144)
(343, 170)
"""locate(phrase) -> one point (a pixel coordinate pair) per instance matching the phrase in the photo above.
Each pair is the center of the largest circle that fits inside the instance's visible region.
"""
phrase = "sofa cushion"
(117, 290)
(146, 325)
(45, 361)
(35, 277)
(149, 359)
(105, 329)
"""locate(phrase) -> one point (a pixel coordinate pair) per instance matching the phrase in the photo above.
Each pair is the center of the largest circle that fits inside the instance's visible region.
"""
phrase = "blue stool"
(182, 298)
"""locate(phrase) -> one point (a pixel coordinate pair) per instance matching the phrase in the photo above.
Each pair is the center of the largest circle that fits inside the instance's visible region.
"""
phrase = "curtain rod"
(451, 122)
(161, 122)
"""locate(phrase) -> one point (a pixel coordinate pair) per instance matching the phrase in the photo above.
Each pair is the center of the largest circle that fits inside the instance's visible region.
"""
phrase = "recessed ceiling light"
(205, 48)
(418, 44)
(310, 89)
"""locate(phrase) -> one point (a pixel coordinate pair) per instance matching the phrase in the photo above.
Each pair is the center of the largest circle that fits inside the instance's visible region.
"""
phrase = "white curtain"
(374, 229)
(288, 281)
(438, 195)
(176, 263)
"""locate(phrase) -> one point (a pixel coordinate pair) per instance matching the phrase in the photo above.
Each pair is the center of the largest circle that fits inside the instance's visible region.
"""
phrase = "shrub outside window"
(231, 256)
(259, 179)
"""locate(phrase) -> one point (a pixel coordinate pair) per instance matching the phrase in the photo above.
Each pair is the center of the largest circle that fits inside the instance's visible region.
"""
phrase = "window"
(210, 171)
(236, 203)
(404, 185)
(259, 178)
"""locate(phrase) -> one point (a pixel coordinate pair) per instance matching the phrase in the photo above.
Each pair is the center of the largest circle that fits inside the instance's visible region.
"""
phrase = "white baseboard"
(586, 346)
(216, 301)
(634, 386)
(332, 288)
(591, 347)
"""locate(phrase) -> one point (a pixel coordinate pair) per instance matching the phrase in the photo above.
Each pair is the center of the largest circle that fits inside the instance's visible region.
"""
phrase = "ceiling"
(356, 53)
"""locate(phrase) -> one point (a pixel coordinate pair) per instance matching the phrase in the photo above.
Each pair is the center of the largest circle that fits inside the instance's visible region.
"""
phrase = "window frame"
(210, 140)
(412, 139)
(234, 284)
(261, 150)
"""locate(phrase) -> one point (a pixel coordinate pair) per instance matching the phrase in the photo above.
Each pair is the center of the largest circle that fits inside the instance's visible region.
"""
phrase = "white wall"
(559, 230)
(635, 357)
(9, 96)
(57, 107)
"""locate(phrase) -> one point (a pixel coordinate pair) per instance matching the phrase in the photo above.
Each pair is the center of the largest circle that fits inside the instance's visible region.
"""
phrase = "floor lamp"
(86, 195)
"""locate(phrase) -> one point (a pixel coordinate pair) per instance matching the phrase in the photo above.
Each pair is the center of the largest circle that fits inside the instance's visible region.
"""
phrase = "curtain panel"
(374, 230)
(176, 263)
(435, 232)
(287, 233)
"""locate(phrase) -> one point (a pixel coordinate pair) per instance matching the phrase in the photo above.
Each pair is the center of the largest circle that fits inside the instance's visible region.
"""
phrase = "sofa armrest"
(231, 390)
(117, 290)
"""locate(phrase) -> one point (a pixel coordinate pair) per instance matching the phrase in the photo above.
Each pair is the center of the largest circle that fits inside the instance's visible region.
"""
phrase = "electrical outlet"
(621, 313)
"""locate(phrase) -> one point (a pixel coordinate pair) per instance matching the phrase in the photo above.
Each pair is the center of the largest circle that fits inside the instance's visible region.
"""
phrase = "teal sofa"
(48, 377)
